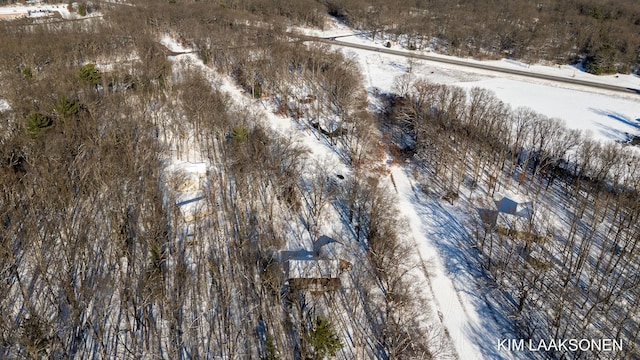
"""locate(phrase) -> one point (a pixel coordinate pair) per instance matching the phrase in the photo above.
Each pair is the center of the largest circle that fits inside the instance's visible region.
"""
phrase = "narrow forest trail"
(472, 330)
(446, 300)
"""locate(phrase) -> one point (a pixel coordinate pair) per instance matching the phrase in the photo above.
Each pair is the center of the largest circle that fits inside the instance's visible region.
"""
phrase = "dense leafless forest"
(98, 261)
(600, 34)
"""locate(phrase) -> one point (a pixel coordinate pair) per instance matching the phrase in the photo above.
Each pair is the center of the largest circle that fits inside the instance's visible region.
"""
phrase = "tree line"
(601, 35)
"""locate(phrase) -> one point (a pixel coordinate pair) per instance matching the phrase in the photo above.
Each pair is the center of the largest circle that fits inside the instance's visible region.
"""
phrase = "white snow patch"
(4, 105)
(605, 117)
(175, 46)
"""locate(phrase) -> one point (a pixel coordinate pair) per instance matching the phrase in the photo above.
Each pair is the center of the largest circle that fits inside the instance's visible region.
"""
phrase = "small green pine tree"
(602, 61)
(82, 9)
(323, 339)
(271, 353)
(37, 123)
(90, 74)
(239, 134)
(27, 73)
(66, 108)
(204, 56)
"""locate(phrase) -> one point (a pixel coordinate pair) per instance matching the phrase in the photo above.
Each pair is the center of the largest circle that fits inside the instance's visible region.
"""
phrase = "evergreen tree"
(37, 123)
(90, 74)
(271, 353)
(239, 134)
(66, 108)
(323, 339)
(82, 9)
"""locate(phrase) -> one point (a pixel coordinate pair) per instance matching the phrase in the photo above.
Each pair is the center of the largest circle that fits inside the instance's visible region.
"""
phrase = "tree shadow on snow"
(635, 123)
(462, 263)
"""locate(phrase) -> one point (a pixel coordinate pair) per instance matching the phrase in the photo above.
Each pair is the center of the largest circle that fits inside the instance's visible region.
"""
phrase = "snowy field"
(602, 113)
(605, 116)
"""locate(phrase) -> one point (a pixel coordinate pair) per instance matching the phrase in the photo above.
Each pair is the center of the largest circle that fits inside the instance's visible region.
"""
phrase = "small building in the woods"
(318, 270)
(313, 274)
(508, 213)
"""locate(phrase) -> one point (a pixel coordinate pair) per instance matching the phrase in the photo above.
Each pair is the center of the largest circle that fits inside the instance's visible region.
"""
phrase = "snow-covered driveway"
(440, 238)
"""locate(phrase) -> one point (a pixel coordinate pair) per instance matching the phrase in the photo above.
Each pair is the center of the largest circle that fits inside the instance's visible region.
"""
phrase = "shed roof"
(512, 207)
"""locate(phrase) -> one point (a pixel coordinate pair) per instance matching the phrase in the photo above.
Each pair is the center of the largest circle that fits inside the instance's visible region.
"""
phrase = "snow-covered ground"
(467, 318)
(284, 126)
(320, 153)
(605, 115)
(434, 227)
(454, 309)
(323, 159)
(4, 105)
(335, 29)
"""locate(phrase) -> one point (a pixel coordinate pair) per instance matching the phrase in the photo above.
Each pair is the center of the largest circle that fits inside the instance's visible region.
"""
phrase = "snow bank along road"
(459, 62)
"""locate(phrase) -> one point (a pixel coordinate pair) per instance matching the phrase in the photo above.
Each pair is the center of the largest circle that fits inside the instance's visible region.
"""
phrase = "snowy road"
(475, 65)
